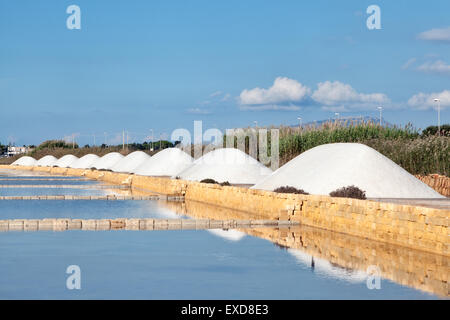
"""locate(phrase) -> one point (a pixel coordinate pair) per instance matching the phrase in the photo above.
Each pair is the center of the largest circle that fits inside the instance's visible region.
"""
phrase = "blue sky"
(141, 65)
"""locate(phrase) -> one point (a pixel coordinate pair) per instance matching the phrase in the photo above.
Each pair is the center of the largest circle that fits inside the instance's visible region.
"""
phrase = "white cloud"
(424, 101)
(436, 35)
(215, 94)
(340, 96)
(270, 107)
(283, 90)
(437, 66)
(409, 63)
(198, 111)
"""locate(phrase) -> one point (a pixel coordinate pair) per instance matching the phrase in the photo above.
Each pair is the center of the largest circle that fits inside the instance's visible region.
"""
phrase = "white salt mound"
(65, 161)
(107, 161)
(129, 163)
(326, 168)
(167, 162)
(47, 161)
(226, 164)
(24, 161)
(85, 162)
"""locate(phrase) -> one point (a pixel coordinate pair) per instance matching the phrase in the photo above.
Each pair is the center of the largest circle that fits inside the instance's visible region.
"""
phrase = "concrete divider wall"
(417, 227)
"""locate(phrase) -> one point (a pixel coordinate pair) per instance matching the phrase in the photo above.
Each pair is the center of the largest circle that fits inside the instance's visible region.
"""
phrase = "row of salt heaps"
(223, 165)
(319, 170)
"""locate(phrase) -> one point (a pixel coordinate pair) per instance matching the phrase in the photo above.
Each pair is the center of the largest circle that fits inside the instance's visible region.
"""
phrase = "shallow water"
(265, 263)
(167, 265)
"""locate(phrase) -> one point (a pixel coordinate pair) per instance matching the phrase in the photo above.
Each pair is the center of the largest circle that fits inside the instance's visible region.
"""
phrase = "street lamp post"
(300, 124)
(439, 115)
(381, 113)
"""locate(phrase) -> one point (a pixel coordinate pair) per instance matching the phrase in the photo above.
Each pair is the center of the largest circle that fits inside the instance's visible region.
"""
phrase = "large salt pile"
(326, 168)
(129, 163)
(24, 161)
(167, 162)
(65, 161)
(226, 164)
(85, 162)
(47, 161)
(107, 161)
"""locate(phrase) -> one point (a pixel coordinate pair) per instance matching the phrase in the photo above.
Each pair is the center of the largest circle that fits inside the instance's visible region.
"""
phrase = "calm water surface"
(182, 264)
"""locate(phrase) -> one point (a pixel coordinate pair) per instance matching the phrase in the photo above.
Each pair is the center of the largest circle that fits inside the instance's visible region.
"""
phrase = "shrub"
(226, 183)
(289, 189)
(209, 181)
(349, 192)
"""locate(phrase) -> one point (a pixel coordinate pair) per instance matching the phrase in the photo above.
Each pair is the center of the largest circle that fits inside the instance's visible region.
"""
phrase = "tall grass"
(405, 146)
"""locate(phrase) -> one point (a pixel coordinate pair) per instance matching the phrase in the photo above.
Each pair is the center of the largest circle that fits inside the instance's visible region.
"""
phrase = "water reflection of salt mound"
(85, 162)
(46, 161)
(324, 267)
(326, 168)
(167, 162)
(108, 161)
(231, 235)
(24, 161)
(129, 163)
(65, 161)
(226, 164)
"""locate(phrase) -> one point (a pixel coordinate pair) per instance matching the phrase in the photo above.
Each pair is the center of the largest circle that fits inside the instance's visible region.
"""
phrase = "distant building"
(12, 151)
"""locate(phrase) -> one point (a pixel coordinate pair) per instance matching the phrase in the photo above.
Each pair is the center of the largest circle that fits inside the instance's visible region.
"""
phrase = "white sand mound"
(226, 164)
(85, 162)
(167, 162)
(326, 168)
(65, 161)
(24, 161)
(107, 161)
(47, 161)
(129, 163)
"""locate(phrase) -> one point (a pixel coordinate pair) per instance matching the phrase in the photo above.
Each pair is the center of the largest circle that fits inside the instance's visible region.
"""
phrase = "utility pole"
(127, 140)
(152, 140)
(73, 141)
(439, 115)
(123, 139)
(381, 113)
(105, 137)
(300, 124)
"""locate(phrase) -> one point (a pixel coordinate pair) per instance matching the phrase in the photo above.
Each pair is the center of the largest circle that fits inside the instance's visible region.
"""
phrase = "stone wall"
(416, 227)
(439, 183)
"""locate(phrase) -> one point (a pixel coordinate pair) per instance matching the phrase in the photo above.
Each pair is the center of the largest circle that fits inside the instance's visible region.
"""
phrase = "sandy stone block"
(75, 224)
(30, 225)
(117, 224)
(131, 224)
(89, 224)
(46, 224)
(174, 224)
(160, 224)
(188, 224)
(16, 225)
(4, 225)
(104, 224)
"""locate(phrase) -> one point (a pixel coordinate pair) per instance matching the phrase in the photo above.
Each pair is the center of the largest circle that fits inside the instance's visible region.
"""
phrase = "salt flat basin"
(170, 265)
(53, 192)
(259, 263)
(85, 209)
(50, 181)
